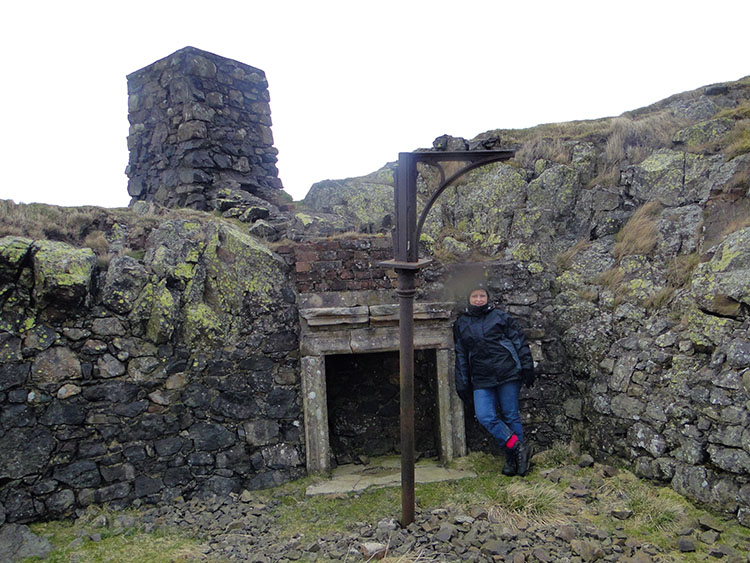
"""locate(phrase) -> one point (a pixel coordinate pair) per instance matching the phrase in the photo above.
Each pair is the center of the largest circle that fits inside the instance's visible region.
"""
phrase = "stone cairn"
(200, 136)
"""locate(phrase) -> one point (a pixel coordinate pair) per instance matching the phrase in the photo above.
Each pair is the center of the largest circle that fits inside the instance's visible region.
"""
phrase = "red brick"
(306, 255)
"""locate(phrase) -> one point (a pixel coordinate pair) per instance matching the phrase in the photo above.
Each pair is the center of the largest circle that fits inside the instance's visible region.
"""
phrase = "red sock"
(511, 442)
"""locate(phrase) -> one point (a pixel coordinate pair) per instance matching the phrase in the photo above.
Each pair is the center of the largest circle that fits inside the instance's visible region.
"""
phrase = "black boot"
(522, 452)
(511, 463)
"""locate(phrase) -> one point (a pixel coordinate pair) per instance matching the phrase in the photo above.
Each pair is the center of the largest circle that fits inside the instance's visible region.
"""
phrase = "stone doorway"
(363, 405)
(336, 324)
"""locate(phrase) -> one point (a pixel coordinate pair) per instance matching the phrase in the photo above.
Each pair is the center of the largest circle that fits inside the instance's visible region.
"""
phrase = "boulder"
(721, 285)
(124, 281)
(671, 177)
(367, 201)
(62, 274)
(18, 542)
(37, 443)
(13, 252)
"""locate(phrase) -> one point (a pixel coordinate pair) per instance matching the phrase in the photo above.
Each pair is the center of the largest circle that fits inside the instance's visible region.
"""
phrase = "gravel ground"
(244, 528)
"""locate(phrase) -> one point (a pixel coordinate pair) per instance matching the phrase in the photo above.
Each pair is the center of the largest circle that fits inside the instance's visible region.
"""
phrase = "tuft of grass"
(547, 148)
(739, 140)
(741, 111)
(656, 510)
(610, 278)
(633, 139)
(521, 504)
(680, 269)
(659, 299)
(73, 541)
(735, 225)
(556, 455)
(639, 235)
(565, 259)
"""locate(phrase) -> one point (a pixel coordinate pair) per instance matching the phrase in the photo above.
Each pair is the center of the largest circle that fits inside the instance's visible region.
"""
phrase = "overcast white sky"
(352, 83)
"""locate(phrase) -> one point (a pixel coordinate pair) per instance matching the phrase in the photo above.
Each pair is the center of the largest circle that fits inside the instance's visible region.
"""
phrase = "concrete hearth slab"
(382, 472)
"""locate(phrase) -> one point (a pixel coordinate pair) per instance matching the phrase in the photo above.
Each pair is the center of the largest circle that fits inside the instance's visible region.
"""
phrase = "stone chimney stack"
(200, 133)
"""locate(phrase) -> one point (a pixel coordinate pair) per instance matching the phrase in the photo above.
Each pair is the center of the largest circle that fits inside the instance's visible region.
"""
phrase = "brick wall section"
(341, 264)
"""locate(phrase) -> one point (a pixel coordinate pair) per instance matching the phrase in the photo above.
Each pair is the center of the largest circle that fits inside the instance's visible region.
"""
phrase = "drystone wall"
(646, 321)
(200, 135)
(175, 374)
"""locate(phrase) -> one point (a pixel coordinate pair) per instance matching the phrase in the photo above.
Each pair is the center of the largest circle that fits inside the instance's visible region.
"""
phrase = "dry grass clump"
(659, 299)
(565, 259)
(522, 503)
(739, 140)
(558, 454)
(735, 225)
(547, 148)
(680, 269)
(627, 139)
(610, 278)
(654, 510)
(631, 140)
(639, 235)
(741, 111)
(634, 139)
(41, 221)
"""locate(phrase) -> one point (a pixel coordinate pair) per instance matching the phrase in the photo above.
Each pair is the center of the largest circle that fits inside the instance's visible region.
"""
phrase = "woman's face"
(478, 297)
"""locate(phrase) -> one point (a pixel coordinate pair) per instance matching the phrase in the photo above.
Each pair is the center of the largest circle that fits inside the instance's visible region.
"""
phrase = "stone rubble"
(241, 528)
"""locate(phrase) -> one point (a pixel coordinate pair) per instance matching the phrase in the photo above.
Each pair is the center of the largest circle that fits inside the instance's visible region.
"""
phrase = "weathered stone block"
(261, 432)
(281, 456)
(62, 274)
(79, 474)
(61, 412)
(55, 365)
(145, 486)
(13, 375)
(109, 366)
(211, 437)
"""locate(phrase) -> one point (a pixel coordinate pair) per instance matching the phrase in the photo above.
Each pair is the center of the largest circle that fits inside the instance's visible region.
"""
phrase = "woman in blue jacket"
(493, 359)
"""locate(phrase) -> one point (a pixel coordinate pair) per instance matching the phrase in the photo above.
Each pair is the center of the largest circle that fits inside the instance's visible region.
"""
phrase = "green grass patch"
(128, 546)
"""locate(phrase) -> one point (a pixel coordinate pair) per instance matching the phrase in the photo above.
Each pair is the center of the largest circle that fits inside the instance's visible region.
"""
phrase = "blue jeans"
(497, 410)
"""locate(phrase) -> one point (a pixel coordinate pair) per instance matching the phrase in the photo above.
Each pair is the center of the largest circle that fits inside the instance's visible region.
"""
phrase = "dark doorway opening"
(363, 405)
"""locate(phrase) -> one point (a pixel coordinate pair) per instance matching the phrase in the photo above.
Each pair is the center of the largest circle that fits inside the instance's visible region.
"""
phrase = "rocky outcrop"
(366, 202)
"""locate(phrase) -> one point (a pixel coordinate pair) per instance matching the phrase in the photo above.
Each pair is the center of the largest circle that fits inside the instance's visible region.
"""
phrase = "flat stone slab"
(382, 472)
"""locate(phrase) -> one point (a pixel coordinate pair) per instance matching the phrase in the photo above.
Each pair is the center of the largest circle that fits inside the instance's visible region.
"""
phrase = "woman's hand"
(528, 377)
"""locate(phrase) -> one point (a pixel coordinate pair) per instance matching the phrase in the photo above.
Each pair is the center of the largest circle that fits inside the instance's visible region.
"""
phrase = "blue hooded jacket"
(491, 349)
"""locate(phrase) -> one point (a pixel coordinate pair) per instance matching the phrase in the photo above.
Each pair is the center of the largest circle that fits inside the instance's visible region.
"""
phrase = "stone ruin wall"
(200, 133)
(126, 386)
(138, 383)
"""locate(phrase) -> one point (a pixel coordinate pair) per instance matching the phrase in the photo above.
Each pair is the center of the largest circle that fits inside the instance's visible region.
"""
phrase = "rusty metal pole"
(406, 290)
(406, 252)
(407, 263)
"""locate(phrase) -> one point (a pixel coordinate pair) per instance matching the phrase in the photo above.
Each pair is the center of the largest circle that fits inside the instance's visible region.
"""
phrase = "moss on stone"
(161, 323)
(707, 330)
(304, 218)
(201, 322)
(62, 273)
